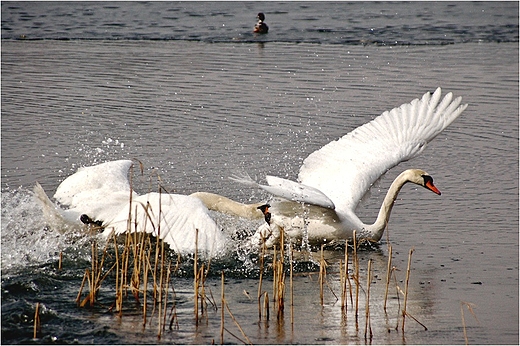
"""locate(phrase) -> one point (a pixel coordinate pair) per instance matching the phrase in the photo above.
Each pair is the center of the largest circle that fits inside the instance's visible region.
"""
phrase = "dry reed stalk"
(195, 279)
(406, 286)
(60, 260)
(388, 274)
(92, 281)
(355, 261)
(118, 302)
(222, 302)
(160, 293)
(78, 298)
(397, 291)
(37, 322)
(279, 278)
(341, 280)
(237, 324)
(275, 268)
(291, 283)
(93, 277)
(202, 294)
(145, 287)
(139, 249)
(262, 255)
(281, 290)
(173, 312)
(321, 275)
(368, 326)
(119, 290)
(266, 305)
(166, 294)
(344, 282)
(469, 306)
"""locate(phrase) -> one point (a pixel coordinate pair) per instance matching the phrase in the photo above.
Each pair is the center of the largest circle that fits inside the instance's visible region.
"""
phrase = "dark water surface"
(188, 90)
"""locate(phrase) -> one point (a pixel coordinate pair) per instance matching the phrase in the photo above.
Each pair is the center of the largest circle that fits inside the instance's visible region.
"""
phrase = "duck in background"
(261, 27)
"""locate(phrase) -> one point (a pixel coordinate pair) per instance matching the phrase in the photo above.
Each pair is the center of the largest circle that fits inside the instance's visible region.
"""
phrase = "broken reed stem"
(60, 260)
(368, 326)
(237, 324)
(388, 274)
(37, 322)
(266, 305)
(406, 286)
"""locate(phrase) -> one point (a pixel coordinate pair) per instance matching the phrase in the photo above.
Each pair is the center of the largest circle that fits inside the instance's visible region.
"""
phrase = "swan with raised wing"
(334, 179)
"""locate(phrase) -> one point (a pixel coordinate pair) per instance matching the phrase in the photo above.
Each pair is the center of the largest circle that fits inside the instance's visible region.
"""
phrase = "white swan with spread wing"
(334, 179)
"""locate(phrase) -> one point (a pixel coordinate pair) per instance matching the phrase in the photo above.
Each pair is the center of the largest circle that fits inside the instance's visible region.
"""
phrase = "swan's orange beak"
(431, 187)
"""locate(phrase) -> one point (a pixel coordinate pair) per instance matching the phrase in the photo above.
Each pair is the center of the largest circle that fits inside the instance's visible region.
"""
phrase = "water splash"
(25, 239)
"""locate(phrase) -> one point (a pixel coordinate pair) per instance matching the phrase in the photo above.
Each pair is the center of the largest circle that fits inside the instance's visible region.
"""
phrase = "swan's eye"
(427, 179)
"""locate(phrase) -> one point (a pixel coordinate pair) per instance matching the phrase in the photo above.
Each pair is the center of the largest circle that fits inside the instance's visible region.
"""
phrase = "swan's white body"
(334, 179)
(103, 193)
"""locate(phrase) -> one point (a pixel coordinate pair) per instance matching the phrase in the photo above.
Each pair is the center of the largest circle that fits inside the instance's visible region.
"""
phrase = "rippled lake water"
(188, 90)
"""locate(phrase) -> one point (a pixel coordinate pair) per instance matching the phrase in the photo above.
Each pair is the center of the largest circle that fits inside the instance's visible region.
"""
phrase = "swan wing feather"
(173, 218)
(97, 191)
(287, 189)
(297, 192)
(345, 169)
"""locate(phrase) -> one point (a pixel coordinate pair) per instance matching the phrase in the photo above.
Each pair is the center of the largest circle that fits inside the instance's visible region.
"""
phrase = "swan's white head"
(420, 177)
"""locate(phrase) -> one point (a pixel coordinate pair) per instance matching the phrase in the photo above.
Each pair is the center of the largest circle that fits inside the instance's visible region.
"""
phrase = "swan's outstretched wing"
(173, 218)
(345, 169)
(98, 191)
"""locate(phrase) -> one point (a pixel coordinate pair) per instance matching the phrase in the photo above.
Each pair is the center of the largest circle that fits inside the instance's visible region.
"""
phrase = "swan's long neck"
(377, 228)
(225, 205)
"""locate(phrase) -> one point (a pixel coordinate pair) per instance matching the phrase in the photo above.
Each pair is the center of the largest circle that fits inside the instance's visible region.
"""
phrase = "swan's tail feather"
(53, 215)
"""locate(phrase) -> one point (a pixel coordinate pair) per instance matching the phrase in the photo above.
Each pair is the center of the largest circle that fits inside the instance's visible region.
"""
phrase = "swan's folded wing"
(345, 169)
(297, 192)
(288, 189)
